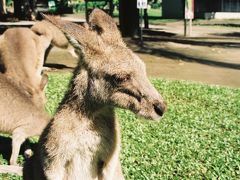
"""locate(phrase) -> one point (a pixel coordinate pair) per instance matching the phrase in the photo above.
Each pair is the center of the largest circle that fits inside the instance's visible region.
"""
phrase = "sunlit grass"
(198, 137)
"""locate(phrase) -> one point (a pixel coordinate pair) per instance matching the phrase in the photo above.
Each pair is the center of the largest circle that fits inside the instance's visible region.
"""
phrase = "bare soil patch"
(210, 55)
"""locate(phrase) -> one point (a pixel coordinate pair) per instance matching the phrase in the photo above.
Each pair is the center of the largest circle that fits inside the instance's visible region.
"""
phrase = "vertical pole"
(185, 27)
(111, 7)
(190, 27)
(184, 16)
(141, 27)
(188, 16)
(86, 10)
(145, 15)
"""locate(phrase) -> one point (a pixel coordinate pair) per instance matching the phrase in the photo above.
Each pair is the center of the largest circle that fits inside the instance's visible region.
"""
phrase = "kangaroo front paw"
(28, 153)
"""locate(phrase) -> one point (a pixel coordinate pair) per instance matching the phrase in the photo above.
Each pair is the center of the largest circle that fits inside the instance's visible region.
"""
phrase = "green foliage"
(56, 88)
(156, 5)
(154, 13)
(9, 2)
(8, 176)
(78, 7)
(198, 137)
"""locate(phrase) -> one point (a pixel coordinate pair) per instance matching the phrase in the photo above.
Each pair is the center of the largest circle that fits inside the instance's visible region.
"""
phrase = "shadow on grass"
(218, 24)
(196, 41)
(58, 66)
(6, 147)
(156, 32)
(233, 34)
(162, 36)
(178, 56)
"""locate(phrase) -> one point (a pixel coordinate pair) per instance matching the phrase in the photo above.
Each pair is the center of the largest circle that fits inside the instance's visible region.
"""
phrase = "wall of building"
(230, 5)
(175, 8)
(202, 6)
(213, 6)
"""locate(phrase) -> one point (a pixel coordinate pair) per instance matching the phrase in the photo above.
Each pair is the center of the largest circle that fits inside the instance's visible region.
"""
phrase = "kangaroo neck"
(79, 100)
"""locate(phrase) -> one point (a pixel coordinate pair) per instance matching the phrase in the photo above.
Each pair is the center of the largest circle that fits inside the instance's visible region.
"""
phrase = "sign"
(189, 9)
(142, 4)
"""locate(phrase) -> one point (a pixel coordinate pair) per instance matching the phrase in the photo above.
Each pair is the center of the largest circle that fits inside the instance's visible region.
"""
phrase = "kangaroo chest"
(96, 147)
(87, 146)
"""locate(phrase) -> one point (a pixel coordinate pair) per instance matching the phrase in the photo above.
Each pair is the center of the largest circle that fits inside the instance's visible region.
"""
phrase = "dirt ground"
(210, 55)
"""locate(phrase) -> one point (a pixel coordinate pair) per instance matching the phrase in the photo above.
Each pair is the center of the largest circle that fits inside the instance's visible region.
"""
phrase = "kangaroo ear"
(81, 38)
(105, 26)
(54, 34)
(44, 81)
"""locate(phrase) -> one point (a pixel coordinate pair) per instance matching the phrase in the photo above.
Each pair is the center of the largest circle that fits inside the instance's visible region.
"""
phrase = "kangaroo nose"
(159, 108)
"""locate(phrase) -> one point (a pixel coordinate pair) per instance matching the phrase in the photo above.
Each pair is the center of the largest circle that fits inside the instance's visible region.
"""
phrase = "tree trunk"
(128, 17)
(17, 8)
(22, 9)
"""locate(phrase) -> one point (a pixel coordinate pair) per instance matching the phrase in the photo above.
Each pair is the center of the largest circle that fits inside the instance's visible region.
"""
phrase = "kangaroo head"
(113, 74)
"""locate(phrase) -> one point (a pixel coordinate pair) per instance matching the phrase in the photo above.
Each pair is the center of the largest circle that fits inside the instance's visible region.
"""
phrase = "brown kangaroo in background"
(54, 35)
(20, 116)
(82, 141)
(23, 50)
(22, 53)
(22, 86)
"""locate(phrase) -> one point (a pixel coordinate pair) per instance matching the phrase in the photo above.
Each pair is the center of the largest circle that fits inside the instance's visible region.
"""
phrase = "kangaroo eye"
(118, 79)
(121, 78)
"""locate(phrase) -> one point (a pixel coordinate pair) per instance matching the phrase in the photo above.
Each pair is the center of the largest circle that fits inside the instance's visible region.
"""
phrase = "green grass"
(152, 13)
(155, 12)
(198, 138)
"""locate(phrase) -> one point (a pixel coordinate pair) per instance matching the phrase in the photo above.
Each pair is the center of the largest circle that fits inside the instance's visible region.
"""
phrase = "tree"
(63, 7)
(17, 8)
(22, 9)
(128, 17)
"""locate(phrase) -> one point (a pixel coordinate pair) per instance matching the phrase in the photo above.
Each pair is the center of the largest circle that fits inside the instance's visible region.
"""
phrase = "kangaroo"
(20, 115)
(22, 53)
(54, 35)
(82, 141)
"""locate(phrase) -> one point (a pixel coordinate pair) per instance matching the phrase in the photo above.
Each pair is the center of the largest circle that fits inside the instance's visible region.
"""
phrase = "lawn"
(198, 138)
